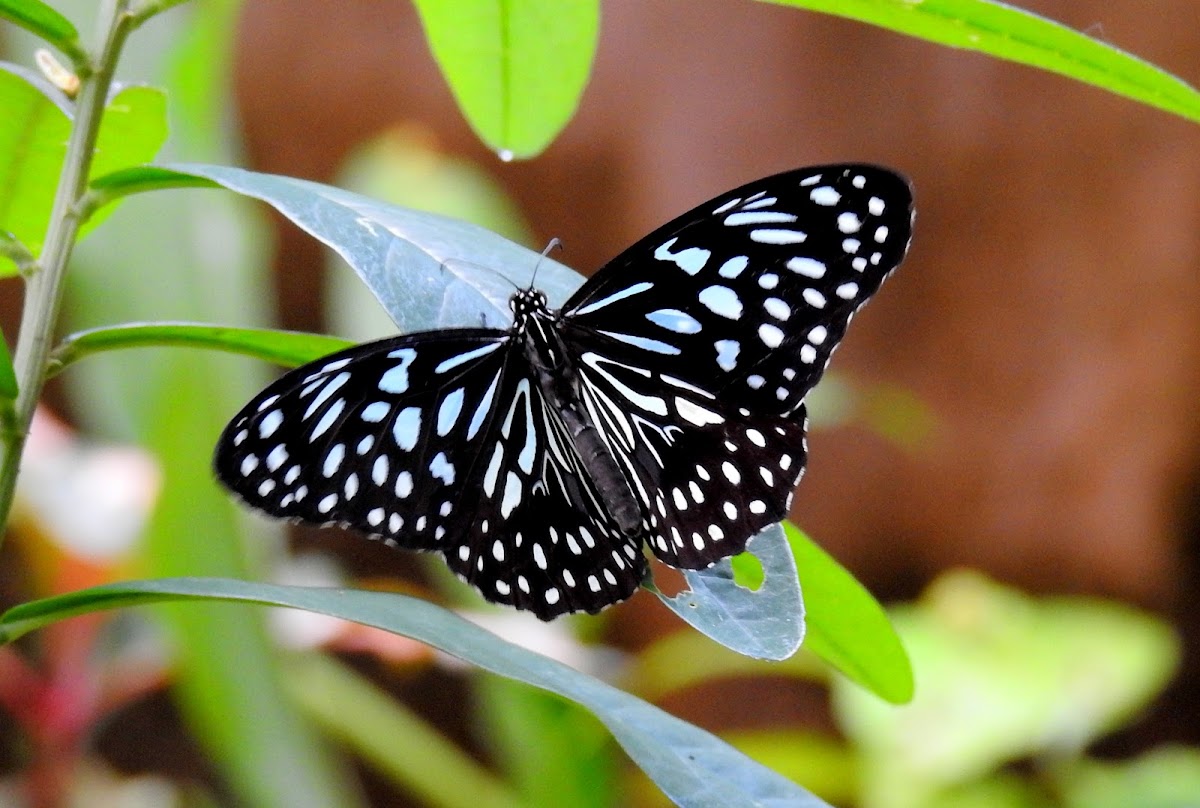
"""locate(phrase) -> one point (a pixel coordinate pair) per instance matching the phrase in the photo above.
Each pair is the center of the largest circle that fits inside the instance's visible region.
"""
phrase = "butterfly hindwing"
(710, 475)
(540, 535)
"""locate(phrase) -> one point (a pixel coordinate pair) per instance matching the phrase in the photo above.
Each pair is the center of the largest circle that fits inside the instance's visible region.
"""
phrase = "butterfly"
(661, 407)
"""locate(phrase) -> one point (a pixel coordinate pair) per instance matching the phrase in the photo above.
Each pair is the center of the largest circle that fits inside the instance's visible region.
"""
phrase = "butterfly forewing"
(437, 441)
(373, 437)
(747, 295)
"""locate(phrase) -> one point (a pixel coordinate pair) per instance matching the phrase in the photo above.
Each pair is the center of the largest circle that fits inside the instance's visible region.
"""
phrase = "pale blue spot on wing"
(758, 217)
(808, 267)
(691, 260)
(628, 291)
(277, 457)
(331, 415)
(674, 320)
(330, 388)
(482, 410)
(442, 468)
(449, 411)
(825, 195)
(727, 353)
(334, 459)
(512, 495)
(379, 471)
(645, 343)
(723, 301)
(375, 412)
(455, 361)
(396, 379)
(407, 428)
(733, 267)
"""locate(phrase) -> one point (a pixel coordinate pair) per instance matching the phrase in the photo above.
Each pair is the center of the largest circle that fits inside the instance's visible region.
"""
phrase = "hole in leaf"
(748, 571)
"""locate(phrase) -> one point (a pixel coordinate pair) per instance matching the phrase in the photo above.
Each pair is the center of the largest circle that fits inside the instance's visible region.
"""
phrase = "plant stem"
(44, 289)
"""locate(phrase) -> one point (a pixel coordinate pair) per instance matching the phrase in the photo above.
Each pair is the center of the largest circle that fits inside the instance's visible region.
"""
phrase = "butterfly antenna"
(449, 265)
(554, 244)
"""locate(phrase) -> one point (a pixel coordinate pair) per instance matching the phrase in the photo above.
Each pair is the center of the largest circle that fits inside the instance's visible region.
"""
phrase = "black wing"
(437, 441)
(699, 343)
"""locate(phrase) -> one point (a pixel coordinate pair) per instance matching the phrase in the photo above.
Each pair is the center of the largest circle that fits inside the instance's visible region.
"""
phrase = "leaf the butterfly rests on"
(663, 405)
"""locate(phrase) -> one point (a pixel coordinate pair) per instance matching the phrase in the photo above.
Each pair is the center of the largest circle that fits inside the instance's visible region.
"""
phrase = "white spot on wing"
(406, 429)
(691, 260)
(824, 195)
(849, 222)
(771, 335)
(808, 267)
(777, 236)
(758, 217)
(722, 300)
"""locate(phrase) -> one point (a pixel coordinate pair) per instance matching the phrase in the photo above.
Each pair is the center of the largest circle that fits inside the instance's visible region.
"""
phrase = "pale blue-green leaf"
(428, 271)
(764, 623)
(691, 766)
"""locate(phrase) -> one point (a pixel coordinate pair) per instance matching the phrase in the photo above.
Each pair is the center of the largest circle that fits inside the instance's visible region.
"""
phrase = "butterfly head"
(527, 303)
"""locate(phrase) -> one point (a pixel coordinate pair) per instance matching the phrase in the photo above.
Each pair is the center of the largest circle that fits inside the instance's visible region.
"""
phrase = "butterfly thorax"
(535, 326)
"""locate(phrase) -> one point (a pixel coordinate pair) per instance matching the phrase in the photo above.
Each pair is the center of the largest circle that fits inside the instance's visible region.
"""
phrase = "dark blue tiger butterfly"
(663, 405)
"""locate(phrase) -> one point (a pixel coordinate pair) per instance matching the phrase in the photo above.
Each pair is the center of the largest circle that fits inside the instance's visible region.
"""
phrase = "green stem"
(44, 290)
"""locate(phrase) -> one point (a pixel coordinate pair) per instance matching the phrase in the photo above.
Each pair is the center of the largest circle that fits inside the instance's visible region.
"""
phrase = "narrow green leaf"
(125, 181)
(691, 766)
(8, 376)
(846, 626)
(287, 348)
(45, 22)
(517, 70)
(33, 146)
(1019, 36)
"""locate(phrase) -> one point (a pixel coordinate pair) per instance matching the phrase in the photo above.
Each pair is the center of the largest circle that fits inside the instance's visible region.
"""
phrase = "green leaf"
(518, 69)
(846, 626)
(764, 623)
(1019, 36)
(8, 376)
(554, 752)
(46, 23)
(1004, 677)
(33, 145)
(691, 766)
(1166, 777)
(287, 348)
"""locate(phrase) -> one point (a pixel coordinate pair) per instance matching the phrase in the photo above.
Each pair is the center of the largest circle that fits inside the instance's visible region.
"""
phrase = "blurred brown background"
(1048, 315)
